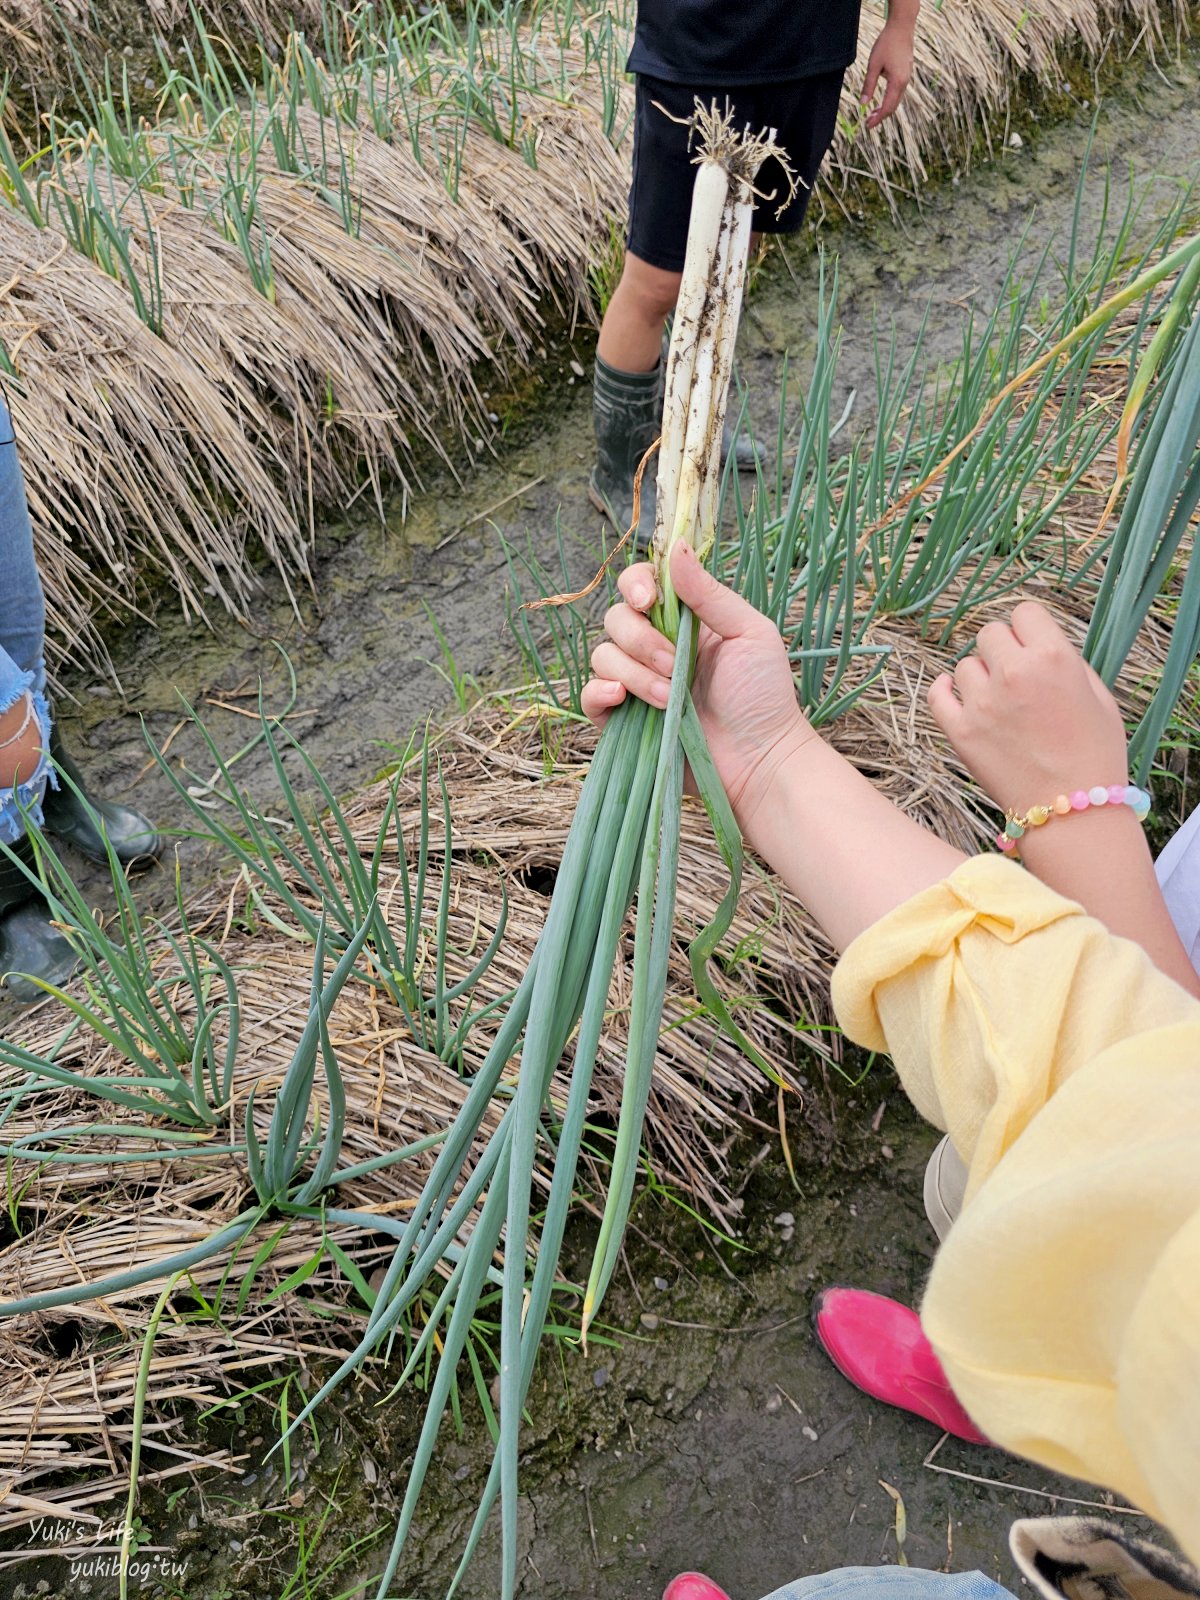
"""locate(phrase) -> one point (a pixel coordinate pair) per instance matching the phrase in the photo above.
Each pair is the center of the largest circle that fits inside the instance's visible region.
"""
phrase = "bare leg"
(632, 330)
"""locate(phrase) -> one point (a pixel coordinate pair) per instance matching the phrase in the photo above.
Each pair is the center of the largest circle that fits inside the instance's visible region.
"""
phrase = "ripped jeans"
(891, 1583)
(22, 629)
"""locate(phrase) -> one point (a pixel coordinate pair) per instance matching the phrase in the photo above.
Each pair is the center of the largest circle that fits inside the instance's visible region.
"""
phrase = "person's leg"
(632, 329)
(22, 637)
(68, 810)
(22, 603)
(29, 944)
(804, 114)
(627, 396)
(627, 390)
(856, 1583)
(945, 1187)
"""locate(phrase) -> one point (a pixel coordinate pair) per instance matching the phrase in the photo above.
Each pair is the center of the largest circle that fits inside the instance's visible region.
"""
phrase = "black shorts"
(803, 112)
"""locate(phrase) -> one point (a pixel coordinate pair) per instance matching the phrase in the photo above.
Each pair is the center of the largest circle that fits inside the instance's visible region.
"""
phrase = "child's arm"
(1031, 720)
(892, 60)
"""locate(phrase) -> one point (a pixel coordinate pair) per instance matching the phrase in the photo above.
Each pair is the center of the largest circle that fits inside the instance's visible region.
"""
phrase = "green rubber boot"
(77, 821)
(30, 945)
(627, 415)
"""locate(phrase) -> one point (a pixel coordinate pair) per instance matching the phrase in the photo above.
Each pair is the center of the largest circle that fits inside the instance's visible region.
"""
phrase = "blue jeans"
(22, 627)
(891, 1583)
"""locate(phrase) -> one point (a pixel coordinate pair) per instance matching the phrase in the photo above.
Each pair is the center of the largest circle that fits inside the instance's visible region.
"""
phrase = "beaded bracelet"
(1116, 794)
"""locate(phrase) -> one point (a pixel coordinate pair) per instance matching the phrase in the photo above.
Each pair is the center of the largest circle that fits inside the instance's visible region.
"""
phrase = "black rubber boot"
(30, 946)
(77, 821)
(748, 453)
(627, 414)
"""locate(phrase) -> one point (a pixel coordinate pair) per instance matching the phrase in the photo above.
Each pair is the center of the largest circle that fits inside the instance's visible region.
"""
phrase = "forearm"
(903, 14)
(847, 853)
(1100, 859)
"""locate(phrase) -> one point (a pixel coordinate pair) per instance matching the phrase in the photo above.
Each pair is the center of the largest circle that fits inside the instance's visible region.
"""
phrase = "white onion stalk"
(734, 287)
(698, 369)
(700, 358)
(700, 269)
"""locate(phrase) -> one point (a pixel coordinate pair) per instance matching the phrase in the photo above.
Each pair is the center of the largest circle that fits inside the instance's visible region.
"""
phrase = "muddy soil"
(715, 1436)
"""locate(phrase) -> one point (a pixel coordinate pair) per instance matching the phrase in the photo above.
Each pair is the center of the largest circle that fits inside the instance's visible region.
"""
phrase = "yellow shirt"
(1065, 1304)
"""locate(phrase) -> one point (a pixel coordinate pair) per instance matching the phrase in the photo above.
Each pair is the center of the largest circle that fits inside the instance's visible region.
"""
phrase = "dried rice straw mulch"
(178, 453)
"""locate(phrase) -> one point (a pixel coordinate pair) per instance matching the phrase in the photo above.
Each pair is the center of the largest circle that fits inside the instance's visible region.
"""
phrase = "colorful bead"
(1131, 796)
(1013, 828)
(1098, 795)
(1061, 805)
(1036, 815)
(1079, 800)
(1003, 842)
(1141, 808)
(1116, 794)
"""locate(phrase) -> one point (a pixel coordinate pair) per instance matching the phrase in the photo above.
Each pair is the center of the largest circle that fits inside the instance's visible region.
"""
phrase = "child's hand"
(1028, 716)
(891, 59)
(743, 688)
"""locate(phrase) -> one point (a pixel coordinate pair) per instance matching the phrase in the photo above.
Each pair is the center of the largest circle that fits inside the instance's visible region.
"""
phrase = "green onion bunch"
(622, 847)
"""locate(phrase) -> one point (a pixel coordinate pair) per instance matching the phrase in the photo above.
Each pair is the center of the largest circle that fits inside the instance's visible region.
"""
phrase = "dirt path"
(730, 1446)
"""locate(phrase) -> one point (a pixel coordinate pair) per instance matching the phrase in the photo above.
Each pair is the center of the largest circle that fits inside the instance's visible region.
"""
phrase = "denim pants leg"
(22, 603)
(22, 625)
(891, 1583)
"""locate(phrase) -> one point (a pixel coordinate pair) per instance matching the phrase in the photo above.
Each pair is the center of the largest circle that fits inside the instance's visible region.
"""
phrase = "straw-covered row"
(975, 62)
(285, 290)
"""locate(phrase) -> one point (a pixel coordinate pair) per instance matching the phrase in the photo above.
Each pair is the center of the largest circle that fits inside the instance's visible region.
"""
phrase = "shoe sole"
(601, 505)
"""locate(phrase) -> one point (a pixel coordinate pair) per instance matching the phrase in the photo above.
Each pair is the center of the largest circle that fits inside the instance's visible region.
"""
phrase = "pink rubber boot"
(878, 1344)
(693, 1586)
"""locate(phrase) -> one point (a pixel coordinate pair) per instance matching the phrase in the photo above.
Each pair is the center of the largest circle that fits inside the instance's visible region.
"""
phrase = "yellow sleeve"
(1065, 1304)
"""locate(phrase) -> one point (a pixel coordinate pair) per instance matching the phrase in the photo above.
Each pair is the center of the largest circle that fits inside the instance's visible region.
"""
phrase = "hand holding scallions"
(743, 688)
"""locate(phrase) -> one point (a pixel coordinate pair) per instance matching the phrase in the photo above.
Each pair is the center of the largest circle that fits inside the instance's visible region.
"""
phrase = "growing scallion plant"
(292, 1168)
(1151, 537)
